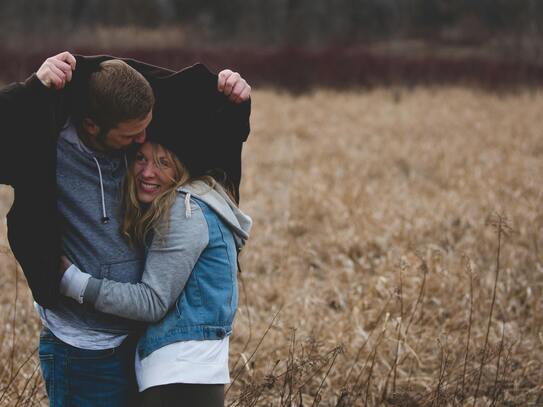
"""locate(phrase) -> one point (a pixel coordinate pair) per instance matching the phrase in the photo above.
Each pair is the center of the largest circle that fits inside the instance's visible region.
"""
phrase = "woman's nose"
(149, 170)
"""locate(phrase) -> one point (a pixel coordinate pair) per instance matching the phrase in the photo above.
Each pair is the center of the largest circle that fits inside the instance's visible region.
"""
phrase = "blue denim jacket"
(207, 306)
(188, 290)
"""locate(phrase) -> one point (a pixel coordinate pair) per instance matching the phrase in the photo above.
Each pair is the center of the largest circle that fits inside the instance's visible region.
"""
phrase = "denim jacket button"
(220, 333)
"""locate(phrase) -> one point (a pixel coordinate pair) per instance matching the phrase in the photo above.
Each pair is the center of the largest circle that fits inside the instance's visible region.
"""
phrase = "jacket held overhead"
(210, 129)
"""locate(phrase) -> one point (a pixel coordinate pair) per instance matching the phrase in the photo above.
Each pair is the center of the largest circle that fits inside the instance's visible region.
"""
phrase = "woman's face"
(152, 179)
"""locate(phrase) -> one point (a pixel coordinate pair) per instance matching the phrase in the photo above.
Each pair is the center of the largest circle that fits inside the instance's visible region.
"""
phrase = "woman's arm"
(168, 265)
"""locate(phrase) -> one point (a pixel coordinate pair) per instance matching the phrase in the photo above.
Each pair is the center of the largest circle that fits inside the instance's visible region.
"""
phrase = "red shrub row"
(301, 69)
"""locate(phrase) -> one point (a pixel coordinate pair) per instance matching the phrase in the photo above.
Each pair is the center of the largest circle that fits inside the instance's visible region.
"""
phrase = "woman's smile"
(148, 187)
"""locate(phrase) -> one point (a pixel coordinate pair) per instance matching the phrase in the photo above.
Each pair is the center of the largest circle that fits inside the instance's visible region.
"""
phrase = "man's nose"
(140, 138)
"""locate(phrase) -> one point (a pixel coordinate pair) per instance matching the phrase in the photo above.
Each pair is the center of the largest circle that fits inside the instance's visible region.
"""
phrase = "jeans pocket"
(47, 336)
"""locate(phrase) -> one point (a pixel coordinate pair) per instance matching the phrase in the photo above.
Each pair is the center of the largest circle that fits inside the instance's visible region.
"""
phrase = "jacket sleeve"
(20, 105)
(169, 263)
(27, 162)
(234, 118)
(232, 130)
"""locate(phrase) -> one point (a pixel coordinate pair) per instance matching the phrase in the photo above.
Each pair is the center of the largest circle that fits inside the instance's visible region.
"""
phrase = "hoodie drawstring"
(188, 211)
(105, 218)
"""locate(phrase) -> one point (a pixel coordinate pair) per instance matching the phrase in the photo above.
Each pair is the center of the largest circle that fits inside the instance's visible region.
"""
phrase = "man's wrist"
(73, 283)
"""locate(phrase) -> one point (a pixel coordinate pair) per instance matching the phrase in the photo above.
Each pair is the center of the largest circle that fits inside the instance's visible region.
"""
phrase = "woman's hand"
(234, 86)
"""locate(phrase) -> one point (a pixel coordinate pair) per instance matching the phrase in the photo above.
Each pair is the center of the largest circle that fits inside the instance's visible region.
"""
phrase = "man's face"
(124, 134)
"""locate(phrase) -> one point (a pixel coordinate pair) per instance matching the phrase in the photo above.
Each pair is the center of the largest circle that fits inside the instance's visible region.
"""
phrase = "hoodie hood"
(219, 201)
(70, 136)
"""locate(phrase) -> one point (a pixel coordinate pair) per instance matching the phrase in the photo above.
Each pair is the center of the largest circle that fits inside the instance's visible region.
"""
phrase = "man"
(81, 115)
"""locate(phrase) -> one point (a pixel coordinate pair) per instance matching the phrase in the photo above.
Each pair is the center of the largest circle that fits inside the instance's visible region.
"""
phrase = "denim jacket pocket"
(191, 297)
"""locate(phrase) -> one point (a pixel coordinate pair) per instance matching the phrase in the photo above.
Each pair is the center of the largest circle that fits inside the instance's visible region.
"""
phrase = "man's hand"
(65, 263)
(234, 86)
(56, 71)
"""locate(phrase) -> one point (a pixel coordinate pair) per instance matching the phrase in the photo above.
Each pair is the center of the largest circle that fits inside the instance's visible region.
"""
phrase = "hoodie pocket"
(127, 271)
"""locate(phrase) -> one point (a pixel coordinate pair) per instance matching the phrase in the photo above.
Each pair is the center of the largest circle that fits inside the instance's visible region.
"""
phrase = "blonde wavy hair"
(140, 219)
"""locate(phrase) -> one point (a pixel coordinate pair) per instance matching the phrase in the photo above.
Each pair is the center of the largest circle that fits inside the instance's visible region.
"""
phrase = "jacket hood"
(219, 201)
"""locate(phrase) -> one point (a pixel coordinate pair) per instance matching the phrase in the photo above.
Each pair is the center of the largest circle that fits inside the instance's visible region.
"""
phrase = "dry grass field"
(395, 258)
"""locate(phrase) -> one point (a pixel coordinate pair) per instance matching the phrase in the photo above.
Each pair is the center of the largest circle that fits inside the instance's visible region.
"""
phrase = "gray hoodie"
(88, 190)
(169, 262)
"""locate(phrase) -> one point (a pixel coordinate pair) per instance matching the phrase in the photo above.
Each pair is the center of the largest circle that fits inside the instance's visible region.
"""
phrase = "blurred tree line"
(287, 22)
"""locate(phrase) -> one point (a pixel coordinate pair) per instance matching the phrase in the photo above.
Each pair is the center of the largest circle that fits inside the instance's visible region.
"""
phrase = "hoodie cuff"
(92, 290)
(73, 283)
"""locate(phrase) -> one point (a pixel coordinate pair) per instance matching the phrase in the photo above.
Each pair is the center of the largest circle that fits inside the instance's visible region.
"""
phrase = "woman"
(192, 231)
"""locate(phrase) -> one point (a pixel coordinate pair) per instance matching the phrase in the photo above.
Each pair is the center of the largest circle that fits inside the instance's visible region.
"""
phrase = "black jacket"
(189, 113)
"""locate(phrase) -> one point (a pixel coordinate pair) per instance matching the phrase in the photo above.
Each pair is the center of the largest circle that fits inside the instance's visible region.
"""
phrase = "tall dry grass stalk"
(20, 380)
(372, 277)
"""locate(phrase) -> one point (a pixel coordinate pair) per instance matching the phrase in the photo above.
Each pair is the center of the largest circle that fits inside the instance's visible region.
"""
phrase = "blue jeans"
(79, 378)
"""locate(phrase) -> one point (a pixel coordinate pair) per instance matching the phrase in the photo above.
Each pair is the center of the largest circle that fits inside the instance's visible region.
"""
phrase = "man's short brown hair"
(118, 93)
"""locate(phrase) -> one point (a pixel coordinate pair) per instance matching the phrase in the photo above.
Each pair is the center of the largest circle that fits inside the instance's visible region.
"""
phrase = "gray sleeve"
(173, 253)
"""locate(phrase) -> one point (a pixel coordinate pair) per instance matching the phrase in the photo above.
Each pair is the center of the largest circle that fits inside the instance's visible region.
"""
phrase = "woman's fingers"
(223, 76)
(245, 94)
(237, 90)
(234, 86)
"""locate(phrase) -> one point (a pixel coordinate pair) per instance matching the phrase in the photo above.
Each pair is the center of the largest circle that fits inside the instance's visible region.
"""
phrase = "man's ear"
(90, 127)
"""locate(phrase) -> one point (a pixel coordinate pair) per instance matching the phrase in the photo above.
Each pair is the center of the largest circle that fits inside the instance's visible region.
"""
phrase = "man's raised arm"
(21, 105)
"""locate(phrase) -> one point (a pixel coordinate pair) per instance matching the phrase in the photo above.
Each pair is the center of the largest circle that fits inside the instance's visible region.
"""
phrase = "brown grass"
(381, 269)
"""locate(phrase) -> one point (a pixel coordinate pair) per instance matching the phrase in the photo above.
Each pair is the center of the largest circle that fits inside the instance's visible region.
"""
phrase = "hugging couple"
(126, 225)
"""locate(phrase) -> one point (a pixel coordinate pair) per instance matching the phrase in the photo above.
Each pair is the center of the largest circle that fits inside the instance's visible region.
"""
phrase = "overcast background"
(292, 43)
